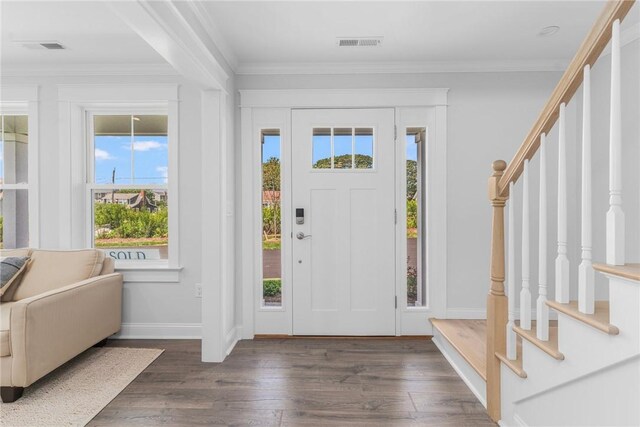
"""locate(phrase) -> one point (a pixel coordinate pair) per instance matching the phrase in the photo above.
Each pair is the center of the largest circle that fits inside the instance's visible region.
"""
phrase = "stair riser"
(624, 300)
(472, 379)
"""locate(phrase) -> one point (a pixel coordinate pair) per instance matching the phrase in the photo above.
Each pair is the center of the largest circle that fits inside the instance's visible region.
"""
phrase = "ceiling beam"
(166, 29)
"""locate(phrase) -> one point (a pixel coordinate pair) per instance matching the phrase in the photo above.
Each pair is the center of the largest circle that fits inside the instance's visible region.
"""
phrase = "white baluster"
(542, 310)
(562, 262)
(525, 293)
(615, 215)
(511, 280)
(585, 271)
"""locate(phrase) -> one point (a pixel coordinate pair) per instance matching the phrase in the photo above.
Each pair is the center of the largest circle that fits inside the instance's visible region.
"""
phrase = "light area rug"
(76, 392)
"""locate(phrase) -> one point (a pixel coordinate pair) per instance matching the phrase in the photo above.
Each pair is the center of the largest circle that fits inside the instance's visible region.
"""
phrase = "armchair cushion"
(5, 331)
(8, 293)
(10, 270)
(51, 270)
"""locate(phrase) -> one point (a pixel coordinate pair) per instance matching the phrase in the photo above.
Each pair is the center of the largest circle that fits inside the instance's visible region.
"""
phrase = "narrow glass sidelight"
(415, 231)
(271, 219)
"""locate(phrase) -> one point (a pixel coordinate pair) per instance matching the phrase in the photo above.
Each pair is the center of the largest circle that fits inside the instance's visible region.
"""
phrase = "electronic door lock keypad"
(299, 216)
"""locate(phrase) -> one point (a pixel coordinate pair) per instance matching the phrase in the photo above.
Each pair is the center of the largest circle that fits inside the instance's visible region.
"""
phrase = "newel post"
(496, 300)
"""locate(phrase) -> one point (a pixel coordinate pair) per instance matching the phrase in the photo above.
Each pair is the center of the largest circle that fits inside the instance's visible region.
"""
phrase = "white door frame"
(271, 109)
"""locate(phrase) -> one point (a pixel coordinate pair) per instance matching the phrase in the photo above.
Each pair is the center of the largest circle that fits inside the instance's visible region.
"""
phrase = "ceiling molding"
(217, 38)
(402, 67)
(77, 70)
(344, 98)
(166, 30)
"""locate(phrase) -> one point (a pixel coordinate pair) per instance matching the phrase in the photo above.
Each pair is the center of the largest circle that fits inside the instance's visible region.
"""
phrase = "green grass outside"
(270, 245)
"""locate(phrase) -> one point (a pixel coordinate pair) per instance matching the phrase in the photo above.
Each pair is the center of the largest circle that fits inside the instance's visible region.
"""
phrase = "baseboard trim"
(157, 331)
(232, 338)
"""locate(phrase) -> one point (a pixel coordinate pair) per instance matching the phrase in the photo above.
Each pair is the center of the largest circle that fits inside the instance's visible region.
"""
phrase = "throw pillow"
(11, 269)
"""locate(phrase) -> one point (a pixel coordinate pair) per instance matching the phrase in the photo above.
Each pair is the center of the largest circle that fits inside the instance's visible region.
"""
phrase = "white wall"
(488, 116)
(149, 306)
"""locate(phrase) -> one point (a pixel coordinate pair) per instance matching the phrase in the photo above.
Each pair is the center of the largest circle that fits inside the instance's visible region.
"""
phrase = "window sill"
(148, 272)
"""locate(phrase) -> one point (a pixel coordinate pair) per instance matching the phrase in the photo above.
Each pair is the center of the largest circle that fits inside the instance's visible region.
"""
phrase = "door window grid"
(343, 148)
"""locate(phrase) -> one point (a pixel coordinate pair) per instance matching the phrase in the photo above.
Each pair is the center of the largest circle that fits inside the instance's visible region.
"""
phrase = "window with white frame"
(128, 184)
(14, 181)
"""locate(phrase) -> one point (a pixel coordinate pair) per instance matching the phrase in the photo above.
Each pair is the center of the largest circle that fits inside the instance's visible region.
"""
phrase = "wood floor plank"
(296, 382)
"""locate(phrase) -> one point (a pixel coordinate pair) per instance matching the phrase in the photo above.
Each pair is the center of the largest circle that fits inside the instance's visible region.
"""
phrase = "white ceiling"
(90, 31)
(447, 34)
(300, 36)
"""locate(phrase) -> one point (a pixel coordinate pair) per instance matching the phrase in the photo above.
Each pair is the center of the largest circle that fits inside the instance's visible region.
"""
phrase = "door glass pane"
(14, 219)
(321, 148)
(342, 148)
(131, 224)
(364, 148)
(14, 161)
(416, 285)
(271, 220)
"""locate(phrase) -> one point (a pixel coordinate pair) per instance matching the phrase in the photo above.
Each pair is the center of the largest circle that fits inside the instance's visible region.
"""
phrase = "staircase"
(582, 369)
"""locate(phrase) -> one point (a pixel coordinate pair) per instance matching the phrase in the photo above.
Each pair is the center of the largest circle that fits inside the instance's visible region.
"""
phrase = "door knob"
(301, 235)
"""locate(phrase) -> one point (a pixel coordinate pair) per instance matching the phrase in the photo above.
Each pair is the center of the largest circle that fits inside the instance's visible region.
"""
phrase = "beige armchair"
(66, 302)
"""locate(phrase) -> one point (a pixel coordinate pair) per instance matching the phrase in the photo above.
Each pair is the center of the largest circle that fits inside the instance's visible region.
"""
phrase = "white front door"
(343, 251)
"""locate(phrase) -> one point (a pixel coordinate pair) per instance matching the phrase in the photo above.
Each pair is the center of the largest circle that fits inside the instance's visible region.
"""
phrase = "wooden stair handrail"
(589, 52)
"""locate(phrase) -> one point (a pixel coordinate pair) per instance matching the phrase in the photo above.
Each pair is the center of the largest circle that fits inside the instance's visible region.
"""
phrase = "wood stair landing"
(627, 271)
(469, 338)
(599, 319)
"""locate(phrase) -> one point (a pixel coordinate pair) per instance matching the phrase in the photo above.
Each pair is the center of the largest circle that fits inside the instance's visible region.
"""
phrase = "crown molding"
(217, 38)
(169, 32)
(403, 67)
(77, 70)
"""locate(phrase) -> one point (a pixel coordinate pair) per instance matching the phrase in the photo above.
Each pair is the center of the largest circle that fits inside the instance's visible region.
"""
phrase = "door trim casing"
(269, 109)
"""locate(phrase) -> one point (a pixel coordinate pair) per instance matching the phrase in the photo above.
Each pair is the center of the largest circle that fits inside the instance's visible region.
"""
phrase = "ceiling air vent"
(52, 46)
(39, 45)
(359, 41)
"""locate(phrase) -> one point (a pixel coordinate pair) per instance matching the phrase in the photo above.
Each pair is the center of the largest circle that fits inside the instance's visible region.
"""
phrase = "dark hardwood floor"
(292, 382)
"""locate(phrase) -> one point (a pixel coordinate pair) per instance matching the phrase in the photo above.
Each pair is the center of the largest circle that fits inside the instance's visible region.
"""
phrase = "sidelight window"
(271, 219)
(415, 230)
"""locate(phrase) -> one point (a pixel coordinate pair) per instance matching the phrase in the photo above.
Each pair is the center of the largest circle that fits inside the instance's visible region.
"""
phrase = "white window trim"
(77, 102)
(24, 100)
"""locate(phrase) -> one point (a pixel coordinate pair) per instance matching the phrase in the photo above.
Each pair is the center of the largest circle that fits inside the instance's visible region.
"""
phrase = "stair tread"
(628, 271)
(514, 365)
(550, 347)
(598, 320)
(469, 338)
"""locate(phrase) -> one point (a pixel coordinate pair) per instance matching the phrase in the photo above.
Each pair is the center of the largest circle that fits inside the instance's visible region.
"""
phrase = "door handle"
(301, 236)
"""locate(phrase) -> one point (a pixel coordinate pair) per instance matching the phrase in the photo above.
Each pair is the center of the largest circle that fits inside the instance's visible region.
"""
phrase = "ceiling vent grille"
(52, 46)
(359, 41)
(38, 45)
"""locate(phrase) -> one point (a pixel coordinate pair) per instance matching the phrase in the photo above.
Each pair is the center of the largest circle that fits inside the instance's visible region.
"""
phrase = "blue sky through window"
(412, 148)
(150, 158)
(271, 147)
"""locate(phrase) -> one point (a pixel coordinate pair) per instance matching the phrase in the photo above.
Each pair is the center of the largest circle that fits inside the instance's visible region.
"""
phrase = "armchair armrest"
(51, 328)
